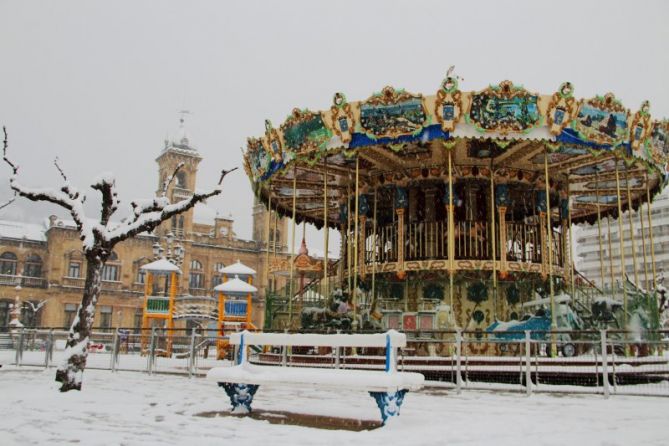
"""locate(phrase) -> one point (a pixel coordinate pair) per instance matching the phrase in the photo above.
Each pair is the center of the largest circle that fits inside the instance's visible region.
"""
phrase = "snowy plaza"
(129, 408)
(355, 222)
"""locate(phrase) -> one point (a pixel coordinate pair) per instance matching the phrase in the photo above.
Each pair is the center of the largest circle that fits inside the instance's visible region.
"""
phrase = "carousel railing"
(472, 241)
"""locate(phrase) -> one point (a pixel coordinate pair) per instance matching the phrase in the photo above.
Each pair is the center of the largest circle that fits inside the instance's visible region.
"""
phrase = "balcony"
(157, 305)
(29, 282)
(426, 246)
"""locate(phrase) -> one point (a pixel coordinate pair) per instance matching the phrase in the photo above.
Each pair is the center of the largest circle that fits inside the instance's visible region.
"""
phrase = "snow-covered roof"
(21, 230)
(238, 268)
(161, 266)
(236, 285)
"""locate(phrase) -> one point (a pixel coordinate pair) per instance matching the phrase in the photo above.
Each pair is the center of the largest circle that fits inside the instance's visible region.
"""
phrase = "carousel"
(455, 209)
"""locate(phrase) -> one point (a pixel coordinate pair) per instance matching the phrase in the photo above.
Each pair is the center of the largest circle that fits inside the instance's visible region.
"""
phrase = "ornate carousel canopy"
(594, 150)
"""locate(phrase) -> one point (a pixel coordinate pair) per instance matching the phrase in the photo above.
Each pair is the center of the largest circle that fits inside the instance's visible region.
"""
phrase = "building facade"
(591, 264)
(44, 263)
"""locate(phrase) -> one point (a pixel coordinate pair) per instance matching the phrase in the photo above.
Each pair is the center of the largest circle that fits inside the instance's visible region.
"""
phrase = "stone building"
(45, 263)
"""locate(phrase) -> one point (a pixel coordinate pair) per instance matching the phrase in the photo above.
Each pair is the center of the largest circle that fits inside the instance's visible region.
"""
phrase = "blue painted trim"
(240, 353)
(389, 403)
(388, 353)
(570, 136)
(427, 134)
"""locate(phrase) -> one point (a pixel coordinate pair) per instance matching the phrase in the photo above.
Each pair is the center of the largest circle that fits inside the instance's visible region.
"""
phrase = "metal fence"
(598, 362)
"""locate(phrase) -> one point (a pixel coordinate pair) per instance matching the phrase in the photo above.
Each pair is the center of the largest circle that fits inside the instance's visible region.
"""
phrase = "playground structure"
(229, 308)
(455, 210)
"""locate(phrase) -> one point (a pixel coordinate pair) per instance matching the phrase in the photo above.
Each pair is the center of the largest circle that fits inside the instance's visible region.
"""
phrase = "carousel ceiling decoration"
(398, 137)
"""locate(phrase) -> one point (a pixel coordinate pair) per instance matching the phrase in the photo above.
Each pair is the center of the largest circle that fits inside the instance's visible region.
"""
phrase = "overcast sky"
(99, 84)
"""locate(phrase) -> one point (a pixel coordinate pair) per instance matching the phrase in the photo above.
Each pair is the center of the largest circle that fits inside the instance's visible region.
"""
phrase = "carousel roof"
(238, 268)
(161, 266)
(396, 138)
(236, 285)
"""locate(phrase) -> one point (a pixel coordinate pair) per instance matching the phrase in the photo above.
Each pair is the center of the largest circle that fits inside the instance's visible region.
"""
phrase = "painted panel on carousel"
(611, 184)
(640, 131)
(305, 131)
(343, 121)
(504, 108)
(561, 109)
(448, 105)
(608, 165)
(561, 155)
(258, 158)
(658, 147)
(392, 113)
(603, 199)
(601, 120)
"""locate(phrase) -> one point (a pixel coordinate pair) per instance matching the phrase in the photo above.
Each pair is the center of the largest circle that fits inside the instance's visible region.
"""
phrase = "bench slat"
(368, 380)
(397, 339)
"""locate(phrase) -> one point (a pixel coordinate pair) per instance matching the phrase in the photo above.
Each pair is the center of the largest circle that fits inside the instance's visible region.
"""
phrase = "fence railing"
(598, 362)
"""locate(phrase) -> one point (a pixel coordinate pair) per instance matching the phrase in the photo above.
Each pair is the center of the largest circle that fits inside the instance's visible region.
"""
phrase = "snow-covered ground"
(133, 408)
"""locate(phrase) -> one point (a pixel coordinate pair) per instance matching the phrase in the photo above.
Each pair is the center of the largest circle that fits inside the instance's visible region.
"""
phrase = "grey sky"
(99, 84)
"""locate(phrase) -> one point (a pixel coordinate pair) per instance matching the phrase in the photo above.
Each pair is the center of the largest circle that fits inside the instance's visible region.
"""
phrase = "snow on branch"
(147, 214)
(151, 213)
(67, 197)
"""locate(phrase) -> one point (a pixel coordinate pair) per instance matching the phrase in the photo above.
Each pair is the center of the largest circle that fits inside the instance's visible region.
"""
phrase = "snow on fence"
(528, 362)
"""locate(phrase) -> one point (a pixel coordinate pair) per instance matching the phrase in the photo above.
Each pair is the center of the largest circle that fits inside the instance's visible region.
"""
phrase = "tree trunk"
(71, 370)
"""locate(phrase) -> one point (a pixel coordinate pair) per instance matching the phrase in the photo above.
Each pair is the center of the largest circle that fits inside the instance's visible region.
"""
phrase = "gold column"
(643, 247)
(374, 252)
(549, 238)
(451, 231)
(400, 240)
(502, 240)
(326, 229)
(348, 235)
(292, 254)
(650, 231)
(493, 242)
(571, 240)
(621, 237)
(613, 280)
(631, 223)
(355, 241)
(599, 227)
(269, 216)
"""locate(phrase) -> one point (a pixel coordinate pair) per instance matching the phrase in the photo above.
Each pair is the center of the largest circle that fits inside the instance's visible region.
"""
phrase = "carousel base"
(582, 370)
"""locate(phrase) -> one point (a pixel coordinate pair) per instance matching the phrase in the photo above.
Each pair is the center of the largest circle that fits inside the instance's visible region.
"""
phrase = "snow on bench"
(388, 387)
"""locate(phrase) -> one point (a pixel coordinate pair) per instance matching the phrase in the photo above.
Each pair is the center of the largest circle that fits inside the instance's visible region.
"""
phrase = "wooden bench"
(387, 387)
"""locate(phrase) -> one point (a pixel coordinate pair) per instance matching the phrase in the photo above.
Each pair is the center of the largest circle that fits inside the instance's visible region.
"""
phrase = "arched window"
(196, 277)
(110, 271)
(181, 179)
(4, 314)
(8, 262)
(33, 266)
(140, 276)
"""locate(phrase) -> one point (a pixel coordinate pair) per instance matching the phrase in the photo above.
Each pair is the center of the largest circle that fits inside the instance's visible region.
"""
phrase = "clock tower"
(182, 186)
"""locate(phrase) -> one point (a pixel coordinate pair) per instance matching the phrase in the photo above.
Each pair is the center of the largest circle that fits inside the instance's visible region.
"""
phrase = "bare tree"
(99, 237)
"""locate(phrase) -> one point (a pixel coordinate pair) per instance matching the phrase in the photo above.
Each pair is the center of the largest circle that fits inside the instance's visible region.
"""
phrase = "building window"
(4, 314)
(105, 317)
(141, 276)
(8, 262)
(216, 280)
(33, 266)
(110, 273)
(196, 277)
(181, 179)
(110, 270)
(139, 314)
(70, 312)
(74, 270)
(29, 315)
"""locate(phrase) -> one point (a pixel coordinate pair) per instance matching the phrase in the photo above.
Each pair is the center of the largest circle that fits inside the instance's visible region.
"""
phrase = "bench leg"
(241, 396)
(389, 403)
